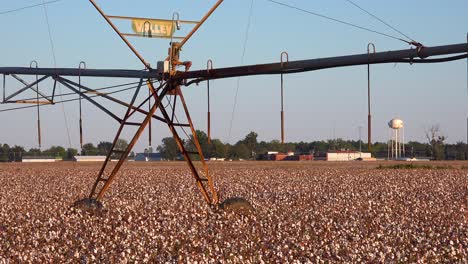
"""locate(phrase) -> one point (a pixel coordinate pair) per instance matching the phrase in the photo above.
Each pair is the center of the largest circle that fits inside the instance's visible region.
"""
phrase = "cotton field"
(303, 213)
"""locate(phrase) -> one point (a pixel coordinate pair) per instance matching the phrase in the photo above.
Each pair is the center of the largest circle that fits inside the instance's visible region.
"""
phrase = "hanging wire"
(381, 20)
(246, 38)
(209, 66)
(79, 100)
(39, 140)
(27, 7)
(337, 20)
(52, 46)
(284, 54)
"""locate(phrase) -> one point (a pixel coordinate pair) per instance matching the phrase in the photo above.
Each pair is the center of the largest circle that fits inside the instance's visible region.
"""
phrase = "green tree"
(203, 140)
(436, 140)
(4, 153)
(104, 147)
(121, 144)
(16, 153)
(89, 149)
(55, 151)
(250, 141)
(71, 152)
(168, 149)
(217, 149)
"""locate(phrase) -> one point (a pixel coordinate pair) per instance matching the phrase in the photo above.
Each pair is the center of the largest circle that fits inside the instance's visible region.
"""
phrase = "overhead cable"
(27, 7)
(379, 19)
(244, 49)
(337, 20)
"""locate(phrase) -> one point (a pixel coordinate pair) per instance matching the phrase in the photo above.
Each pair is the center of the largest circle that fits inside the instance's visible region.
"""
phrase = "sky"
(319, 105)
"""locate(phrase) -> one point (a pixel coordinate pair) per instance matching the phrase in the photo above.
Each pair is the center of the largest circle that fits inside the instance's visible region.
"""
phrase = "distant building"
(290, 156)
(148, 157)
(347, 155)
(89, 158)
(37, 159)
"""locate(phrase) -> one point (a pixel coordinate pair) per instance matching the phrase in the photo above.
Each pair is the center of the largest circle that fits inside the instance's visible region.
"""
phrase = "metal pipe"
(4, 88)
(147, 65)
(152, 19)
(79, 100)
(369, 117)
(249, 70)
(149, 123)
(283, 54)
(209, 66)
(323, 63)
(39, 139)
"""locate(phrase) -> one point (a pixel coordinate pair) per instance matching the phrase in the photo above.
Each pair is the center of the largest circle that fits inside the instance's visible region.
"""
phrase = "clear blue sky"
(316, 103)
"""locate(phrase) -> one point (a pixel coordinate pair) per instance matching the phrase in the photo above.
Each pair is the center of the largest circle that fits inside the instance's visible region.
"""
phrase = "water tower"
(397, 141)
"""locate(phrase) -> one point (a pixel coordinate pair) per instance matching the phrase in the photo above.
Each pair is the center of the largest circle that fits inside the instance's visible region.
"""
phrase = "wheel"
(87, 204)
(236, 204)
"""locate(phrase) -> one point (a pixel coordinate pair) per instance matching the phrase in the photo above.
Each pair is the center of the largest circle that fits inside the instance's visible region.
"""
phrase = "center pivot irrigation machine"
(165, 82)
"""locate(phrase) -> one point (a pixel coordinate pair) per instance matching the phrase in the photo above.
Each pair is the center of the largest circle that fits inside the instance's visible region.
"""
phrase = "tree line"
(250, 148)
(16, 153)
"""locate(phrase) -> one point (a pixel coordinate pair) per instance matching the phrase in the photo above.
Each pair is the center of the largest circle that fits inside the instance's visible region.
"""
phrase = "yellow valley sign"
(153, 28)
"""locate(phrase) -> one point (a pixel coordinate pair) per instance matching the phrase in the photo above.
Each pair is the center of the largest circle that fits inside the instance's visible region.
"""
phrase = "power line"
(336, 20)
(246, 38)
(379, 19)
(27, 7)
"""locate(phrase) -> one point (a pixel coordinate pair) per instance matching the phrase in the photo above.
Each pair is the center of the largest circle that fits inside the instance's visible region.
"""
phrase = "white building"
(89, 158)
(347, 155)
(30, 159)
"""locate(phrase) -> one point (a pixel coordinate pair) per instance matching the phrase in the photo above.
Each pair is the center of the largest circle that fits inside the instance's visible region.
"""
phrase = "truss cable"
(246, 38)
(68, 100)
(55, 66)
(98, 89)
(381, 20)
(27, 7)
(337, 20)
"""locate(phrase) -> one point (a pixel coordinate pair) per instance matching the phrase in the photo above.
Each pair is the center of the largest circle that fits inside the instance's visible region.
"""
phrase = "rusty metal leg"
(99, 193)
(199, 149)
(213, 199)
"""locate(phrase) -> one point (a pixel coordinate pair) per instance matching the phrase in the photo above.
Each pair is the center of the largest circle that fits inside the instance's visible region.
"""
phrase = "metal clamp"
(283, 54)
(149, 29)
(33, 62)
(369, 48)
